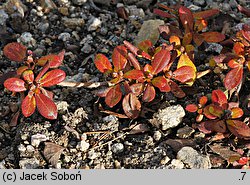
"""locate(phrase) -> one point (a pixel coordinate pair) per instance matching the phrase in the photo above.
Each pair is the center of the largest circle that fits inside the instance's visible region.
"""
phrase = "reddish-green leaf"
(203, 100)
(148, 94)
(185, 61)
(238, 48)
(46, 107)
(184, 74)
(136, 51)
(54, 60)
(28, 76)
(134, 61)
(246, 32)
(213, 36)
(244, 10)
(191, 108)
(187, 39)
(205, 14)
(28, 104)
(198, 39)
(47, 93)
(163, 13)
(176, 90)
(161, 83)
(145, 45)
(137, 88)
(219, 97)
(52, 78)
(134, 74)
(236, 112)
(160, 61)
(15, 85)
(233, 78)
(186, 18)
(239, 128)
(21, 69)
(113, 96)
(102, 63)
(213, 111)
(119, 58)
(210, 126)
(15, 51)
(131, 106)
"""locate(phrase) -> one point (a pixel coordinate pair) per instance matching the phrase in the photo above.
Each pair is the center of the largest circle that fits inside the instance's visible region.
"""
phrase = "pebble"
(117, 148)
(43, 27)
(194, 8)
(134, 11)
(64, 36)
(177, 164)
(92, 154)
(3, 17)
(185, 132)
(157, 135)
(195, 160)
(79, 2)
(37, 139)
(29, 163)
(110, 118)
(30, 149)
(83, 146)
(27, 39)
(86, 48)
(199, 2)
(73, 22)
(168, 117)
(94, 23)
(21, 148)
(214, 47)
(2, 164)
(165, 160)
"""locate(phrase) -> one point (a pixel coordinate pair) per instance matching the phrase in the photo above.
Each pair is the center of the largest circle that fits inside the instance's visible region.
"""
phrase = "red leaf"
(102, 92)
(239, 48)
(203, 100)
(176, 90)
(148, 94)
(102, 63)
(184, 74)
(236, 112)
(134, 61)
(136, 51)
(54, 60)
(161, 83)
(210, 126)
(52, 78)
(28, 76)
(21, 69)
(239, 129)
(233, 78)
(113, 96)
(163, 13)
(205, 14)
(47, 93)
(160, 61)
(137, 88)
(134, 74)
(244, 10)
(15, 85)
(119, 58)
(233, 64)
(15, 51)
(145, 45)
(213, 36)
(28, 105)
(191, 108)
(46, 107)
(186, 18)
(219, 97)
(131, 106)
(213, 111)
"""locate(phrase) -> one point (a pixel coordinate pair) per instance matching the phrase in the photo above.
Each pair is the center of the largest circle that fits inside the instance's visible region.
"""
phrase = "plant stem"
(89, 85)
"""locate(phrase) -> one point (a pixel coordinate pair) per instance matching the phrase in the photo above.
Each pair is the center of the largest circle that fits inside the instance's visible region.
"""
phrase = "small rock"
(37, 139)
(226, 7)
(165, 160)
(64, 11)
(134, 11)
(30, 149)
(177, 164)
(3, 17)
(29, 163)
(117, 148)
(214, 47)
(21, 148)
(149, 31)
(168, 117)
(199, 2)
(79, 2)
(27, 39)
(92, 154)
(83, 145)
(194, 8)
(73, 22)
(110, 118)
(185, 132)
(2, 164)
(15, 6)
(64, 36)
(94, 23)
(62, 107)
(195, 160)
(43, 27)
(24, 137)
(233, 3)
(157, 135)
(48, 5)
(86, 48)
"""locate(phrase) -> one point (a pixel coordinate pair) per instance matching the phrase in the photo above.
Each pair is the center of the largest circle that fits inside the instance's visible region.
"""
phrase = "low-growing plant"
(31, 83)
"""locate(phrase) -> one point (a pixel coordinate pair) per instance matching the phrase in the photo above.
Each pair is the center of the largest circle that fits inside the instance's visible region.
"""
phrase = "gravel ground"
(82, 137)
